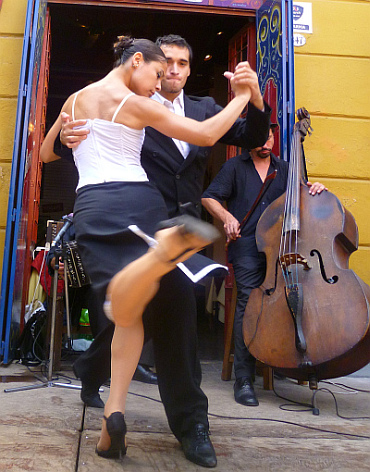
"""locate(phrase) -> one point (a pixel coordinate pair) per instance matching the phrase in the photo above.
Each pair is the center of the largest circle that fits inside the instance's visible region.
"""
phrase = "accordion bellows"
(76, 272)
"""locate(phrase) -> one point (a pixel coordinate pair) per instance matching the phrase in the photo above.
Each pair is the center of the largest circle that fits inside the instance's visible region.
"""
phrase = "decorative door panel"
(275, 66)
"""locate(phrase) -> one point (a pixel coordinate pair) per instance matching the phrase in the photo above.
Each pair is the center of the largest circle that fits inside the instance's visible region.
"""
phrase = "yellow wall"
(332, 79)
(12, 21)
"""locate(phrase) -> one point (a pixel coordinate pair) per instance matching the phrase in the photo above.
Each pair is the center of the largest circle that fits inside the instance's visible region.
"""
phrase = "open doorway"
(81, 52)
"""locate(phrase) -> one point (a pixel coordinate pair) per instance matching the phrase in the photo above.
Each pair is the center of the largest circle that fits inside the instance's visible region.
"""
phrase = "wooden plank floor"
(48, 429)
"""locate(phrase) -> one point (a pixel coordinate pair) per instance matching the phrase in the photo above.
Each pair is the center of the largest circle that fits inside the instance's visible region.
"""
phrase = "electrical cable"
(284, 406)
(345, 387)
(313, 406)
(336, 405)
(291, 423)
(313, 428)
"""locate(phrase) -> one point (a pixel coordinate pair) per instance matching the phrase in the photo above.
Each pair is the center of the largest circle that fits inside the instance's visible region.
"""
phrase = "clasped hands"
(245, 79)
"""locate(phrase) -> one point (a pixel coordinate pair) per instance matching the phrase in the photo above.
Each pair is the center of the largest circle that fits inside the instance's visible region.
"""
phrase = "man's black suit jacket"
(180, 180)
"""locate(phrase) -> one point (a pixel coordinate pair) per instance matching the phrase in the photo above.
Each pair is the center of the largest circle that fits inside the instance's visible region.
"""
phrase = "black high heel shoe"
(116, 427)
(189, 225)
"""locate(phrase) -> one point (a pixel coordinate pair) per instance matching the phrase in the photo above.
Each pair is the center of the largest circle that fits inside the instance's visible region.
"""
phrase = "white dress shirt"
(177, 107)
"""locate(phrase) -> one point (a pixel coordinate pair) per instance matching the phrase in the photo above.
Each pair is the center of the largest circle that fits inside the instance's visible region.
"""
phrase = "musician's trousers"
(249, 273)
(171, 321)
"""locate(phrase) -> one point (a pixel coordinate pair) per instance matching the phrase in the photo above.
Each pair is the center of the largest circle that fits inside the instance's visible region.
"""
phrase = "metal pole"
(66, 299)
(53, 318)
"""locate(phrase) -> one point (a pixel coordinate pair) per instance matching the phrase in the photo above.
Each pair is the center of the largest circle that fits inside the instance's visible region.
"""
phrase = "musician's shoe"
(244, 392)
(145, 375)
(89, 393)
(198, 448)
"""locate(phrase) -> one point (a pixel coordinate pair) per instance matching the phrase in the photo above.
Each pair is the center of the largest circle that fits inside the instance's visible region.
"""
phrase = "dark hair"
(175, 39)
(125, 47)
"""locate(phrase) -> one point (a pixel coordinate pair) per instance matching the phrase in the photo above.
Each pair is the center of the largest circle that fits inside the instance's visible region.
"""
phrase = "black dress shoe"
(89, 393)
(244, 392)
(145, 375)
(90, 396)
(198, 448)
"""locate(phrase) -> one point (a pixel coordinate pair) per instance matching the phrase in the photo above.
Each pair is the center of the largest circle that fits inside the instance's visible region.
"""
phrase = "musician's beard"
(264, 153)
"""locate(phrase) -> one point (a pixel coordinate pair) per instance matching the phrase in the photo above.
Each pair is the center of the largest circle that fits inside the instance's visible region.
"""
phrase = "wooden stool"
(227, 365)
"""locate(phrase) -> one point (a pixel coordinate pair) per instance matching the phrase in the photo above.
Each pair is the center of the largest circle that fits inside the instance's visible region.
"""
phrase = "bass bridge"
(292, 258)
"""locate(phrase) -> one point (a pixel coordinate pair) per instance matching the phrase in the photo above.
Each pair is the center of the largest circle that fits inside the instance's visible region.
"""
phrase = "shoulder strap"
(73, 105)
(121, 105)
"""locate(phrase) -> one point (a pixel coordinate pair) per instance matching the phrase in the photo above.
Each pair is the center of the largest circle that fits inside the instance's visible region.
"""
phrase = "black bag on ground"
(32, 342)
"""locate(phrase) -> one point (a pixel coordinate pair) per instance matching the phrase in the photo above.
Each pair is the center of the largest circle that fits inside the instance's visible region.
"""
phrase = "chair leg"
(268, 378)
(267, 374)
(228, 361)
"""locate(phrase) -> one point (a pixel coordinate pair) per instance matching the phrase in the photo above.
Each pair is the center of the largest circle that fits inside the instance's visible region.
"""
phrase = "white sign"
(302, 17)
(298, 40)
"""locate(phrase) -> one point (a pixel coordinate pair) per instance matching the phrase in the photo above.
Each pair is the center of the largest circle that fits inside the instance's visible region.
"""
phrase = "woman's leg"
(127, 344)
(136, 284)
(129, 293)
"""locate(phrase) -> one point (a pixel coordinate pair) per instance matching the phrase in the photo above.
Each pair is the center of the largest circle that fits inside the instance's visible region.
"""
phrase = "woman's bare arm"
(47, 148)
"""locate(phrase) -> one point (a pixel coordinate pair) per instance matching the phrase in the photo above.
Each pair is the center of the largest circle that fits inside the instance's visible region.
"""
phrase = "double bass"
(309, 319)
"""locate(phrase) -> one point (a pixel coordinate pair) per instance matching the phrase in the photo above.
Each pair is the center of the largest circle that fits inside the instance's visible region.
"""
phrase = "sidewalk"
(48, 429)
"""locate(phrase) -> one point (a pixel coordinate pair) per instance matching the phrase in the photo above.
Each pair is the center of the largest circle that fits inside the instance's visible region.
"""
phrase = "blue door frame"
(12, 262)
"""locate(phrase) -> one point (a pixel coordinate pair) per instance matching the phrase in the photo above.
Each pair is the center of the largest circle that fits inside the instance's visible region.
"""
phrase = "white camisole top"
(111, 151)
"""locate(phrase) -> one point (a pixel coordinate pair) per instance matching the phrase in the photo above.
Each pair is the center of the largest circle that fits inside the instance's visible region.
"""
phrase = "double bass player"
(239, 184)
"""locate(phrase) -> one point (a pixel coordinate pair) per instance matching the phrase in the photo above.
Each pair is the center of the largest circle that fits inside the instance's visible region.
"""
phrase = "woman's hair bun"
(123, 43)
(126, 46)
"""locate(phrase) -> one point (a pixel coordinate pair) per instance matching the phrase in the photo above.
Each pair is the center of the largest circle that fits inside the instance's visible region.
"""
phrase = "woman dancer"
(113, 192)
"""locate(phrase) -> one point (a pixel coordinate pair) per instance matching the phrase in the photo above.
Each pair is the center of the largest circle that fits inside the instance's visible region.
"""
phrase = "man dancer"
(177, 169)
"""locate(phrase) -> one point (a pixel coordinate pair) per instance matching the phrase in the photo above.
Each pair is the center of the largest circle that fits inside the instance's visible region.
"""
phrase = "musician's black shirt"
(238, 184)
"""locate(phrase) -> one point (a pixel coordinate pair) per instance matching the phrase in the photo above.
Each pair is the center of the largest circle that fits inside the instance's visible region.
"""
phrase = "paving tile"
(28, 447)
(146, 452)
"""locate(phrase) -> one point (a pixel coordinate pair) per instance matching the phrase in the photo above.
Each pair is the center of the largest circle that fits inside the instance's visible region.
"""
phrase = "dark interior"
(82, 38)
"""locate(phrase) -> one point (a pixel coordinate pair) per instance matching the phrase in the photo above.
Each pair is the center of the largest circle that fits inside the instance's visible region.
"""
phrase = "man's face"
(265, 151)
(178, 70)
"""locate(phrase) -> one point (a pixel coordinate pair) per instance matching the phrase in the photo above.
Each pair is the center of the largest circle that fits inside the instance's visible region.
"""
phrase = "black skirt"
(102, 214)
